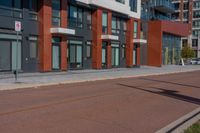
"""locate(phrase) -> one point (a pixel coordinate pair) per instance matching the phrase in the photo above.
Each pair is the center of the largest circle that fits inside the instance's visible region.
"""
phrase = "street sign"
(18, 26)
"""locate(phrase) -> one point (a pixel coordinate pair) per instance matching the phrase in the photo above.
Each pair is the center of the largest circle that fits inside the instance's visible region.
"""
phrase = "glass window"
(7, 3)
(75, 16)
(33, 5)
(115, 25)
(123, 51)
(89, 20)
(16, 60)
(104, 22)
(135, 29)
(56, 12)
(133, 5)
(88, 48)
(33, 49)
(17, 4)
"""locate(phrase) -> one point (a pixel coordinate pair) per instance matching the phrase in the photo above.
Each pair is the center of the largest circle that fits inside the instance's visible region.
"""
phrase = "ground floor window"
(171, 51)
(75, 54)
(10, 55)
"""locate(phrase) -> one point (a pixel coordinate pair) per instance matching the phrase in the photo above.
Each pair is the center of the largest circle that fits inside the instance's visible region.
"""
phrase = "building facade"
(58, 35)
(188, 11)
(163, 35)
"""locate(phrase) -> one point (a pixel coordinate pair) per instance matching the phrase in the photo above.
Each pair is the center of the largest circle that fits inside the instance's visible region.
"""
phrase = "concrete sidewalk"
(26, 80)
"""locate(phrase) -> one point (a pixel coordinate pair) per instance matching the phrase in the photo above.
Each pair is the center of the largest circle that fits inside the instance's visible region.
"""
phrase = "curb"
(37, 85)
(182, 123)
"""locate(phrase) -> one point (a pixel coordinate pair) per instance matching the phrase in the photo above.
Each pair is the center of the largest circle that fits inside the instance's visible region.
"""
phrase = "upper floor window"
(105, 22)
(75, 16)
(135, 33)
(33, 5)
(89, 20)
(11, 3)
(133, 5)
(121, 1)
(124, 26)
(56, 17)
(115, 25)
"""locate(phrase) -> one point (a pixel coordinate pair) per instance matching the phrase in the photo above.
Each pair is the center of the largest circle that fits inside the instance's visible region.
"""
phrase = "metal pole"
(16, 76)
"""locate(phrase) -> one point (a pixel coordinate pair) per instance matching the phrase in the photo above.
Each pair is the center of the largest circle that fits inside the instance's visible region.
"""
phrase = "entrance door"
(135, 55)
(104, 55)
(115, 55)
(55, 57)
(75, 54)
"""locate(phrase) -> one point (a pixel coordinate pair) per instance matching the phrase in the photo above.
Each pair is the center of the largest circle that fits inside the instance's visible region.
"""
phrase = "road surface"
(131, 105)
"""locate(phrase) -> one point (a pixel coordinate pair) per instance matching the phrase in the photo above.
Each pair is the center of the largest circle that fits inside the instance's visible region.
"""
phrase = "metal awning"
(141, 41)
(109, 37)
(65, 31)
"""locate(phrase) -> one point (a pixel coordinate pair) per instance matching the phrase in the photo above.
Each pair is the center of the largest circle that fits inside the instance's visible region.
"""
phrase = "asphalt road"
(132, 105)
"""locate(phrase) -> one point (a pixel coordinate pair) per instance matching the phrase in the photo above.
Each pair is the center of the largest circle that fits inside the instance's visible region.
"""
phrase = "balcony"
(165, 6)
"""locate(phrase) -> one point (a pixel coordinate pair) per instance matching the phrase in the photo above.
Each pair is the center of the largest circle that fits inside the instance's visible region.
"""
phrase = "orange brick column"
(97, 42)
(45, 15)
(64, 38)
(109, 54)
(109, 49)
(138, 48)
(129, 43)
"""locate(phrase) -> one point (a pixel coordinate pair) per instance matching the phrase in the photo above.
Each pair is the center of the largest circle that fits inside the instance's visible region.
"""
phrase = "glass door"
(135, 55)
(115, 55)
(104, 55)
(55, 57)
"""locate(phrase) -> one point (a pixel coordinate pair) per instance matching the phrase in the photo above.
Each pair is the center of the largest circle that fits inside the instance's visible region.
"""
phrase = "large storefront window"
(56, 16)
(10, 55)
(171, 51)
(75, 16)
(75, 54)
(105, 23)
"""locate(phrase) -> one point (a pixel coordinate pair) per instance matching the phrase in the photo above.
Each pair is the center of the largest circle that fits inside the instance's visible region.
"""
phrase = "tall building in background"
(188, 11)
(162, 33)
(58, 35)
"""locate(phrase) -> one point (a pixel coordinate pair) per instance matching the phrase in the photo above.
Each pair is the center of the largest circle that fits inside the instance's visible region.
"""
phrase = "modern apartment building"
(163, 35)
(58, 35)
(188, 11)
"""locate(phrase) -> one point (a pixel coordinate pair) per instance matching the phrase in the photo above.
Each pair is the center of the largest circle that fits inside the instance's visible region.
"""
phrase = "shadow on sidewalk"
(167, 93)
(168, 82)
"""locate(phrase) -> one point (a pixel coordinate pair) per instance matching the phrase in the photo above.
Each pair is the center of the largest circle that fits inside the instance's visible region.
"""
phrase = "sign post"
(18, 28)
